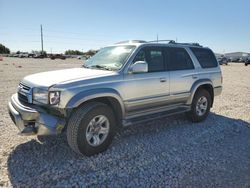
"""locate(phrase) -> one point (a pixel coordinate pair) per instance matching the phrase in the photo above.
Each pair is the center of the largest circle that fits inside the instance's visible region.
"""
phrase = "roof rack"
(157, 41)
(189, 43)
(169, 41)
(173, 42)
(131, 41)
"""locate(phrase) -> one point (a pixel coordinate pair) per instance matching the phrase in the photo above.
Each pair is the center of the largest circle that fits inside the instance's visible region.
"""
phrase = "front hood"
(47, 79)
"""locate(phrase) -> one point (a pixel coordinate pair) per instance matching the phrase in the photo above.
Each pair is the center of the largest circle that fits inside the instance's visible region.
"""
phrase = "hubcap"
(97, 130)
(201, 106)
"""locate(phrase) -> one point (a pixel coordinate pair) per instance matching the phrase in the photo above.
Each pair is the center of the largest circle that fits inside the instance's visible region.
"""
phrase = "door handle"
(163, 79)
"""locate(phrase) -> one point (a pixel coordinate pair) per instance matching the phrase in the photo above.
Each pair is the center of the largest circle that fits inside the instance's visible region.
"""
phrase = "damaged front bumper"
(32, 120)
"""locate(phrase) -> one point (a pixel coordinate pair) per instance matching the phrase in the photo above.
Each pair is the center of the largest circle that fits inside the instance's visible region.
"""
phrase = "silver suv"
(123, 84)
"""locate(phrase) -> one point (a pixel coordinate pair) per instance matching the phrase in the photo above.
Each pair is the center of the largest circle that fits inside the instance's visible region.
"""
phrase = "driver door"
(147, 90)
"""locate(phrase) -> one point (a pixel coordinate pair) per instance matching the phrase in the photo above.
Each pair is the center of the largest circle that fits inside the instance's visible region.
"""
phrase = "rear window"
(205, 57)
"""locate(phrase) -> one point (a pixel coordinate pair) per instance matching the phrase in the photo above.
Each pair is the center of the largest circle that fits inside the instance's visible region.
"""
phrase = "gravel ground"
(170, 152)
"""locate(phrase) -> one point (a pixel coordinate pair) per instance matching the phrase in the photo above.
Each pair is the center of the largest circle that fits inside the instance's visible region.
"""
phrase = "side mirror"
(139, 67)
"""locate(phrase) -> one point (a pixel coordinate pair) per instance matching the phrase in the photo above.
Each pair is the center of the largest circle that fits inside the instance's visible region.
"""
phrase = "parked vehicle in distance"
(68, 56)
(222, 60)
(57, 56)
(121, 85)
(235, 59)
(39, 56)
(31, 55)
(16, 55)
(81, 57)
(23, 55)
(242, 60)
(247, 62)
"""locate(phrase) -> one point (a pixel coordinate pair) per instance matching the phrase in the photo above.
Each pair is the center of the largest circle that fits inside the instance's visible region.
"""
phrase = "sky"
(222, 25)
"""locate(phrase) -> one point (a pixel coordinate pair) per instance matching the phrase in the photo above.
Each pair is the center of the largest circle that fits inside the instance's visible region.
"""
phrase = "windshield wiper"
(101, 67)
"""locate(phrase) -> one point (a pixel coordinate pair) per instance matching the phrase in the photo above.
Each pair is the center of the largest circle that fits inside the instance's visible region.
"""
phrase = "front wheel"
(200, 107)
(91, 129)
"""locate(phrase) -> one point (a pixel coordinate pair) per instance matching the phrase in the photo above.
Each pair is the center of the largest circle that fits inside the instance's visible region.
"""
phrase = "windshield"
(110, 58)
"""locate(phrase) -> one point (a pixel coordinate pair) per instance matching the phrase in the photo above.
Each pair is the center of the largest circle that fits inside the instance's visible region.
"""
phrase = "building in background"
(237, 56)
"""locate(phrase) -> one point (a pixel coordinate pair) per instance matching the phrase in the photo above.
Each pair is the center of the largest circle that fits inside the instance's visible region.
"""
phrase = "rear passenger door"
(209, 67)
(182, 74)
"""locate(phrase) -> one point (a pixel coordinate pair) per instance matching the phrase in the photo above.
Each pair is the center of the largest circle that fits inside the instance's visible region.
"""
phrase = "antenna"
(42, 37)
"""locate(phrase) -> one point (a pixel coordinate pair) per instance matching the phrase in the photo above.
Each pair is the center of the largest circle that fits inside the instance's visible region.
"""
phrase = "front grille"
(24, 92)
(23, 98)
(24, 87)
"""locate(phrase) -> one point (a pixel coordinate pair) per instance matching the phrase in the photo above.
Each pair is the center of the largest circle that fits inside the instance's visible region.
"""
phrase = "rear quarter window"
(205, 57)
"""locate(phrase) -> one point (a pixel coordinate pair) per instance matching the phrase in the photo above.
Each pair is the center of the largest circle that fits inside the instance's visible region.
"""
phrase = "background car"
(31, 55)
(41, 56)
(57, 56)
(222, 61)
(247, 61)
(23, 55)
(234, 59)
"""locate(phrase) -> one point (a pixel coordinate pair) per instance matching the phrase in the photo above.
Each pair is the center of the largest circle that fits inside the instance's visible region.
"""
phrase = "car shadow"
(41, 160)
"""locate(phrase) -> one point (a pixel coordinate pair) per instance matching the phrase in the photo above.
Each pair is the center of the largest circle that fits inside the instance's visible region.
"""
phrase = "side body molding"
(86, 95)
(195, 86)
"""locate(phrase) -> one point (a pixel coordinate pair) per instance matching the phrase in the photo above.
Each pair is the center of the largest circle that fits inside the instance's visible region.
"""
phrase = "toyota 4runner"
(123, 84)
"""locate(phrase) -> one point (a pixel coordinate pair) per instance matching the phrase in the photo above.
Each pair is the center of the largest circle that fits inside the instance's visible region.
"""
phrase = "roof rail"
(170, 41)
(131, 41)
(191, 43)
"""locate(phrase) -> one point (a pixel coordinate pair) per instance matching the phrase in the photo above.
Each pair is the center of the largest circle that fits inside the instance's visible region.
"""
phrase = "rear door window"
(205, 57)
(179, 59)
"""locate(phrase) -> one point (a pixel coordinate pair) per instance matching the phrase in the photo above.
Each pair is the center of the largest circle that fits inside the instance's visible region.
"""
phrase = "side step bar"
(144, 118)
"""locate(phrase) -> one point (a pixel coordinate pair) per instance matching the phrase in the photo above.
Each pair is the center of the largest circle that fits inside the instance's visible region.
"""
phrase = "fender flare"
(87, 95)
(195, 86)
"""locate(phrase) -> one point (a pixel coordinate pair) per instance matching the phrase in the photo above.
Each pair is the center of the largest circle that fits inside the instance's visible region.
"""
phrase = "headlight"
(54, 97)
(40, 96)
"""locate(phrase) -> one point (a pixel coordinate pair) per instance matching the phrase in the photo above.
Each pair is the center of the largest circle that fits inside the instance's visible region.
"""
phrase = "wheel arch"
(109, 97)
(202, 84)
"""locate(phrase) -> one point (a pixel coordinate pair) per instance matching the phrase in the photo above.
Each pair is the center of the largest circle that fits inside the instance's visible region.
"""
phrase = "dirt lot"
(167, 152)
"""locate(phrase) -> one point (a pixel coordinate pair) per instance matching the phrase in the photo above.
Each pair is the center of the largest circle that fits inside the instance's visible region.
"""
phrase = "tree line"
(4, 50)
(77, 52)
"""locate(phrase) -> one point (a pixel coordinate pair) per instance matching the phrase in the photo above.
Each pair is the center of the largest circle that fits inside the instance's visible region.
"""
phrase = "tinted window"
(154, 58)
(141, 56)
(179, 59)
(205, 57)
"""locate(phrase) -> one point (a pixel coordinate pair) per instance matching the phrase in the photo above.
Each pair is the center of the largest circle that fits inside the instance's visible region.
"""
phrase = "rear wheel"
(91, 129)
(200, 107)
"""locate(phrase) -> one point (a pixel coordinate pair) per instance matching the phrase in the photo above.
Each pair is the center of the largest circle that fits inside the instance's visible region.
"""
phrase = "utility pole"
(157, 38)
(42, 37)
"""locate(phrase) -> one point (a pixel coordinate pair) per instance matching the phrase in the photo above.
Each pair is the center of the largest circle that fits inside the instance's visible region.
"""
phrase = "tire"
(79, 126)
(194, 114)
